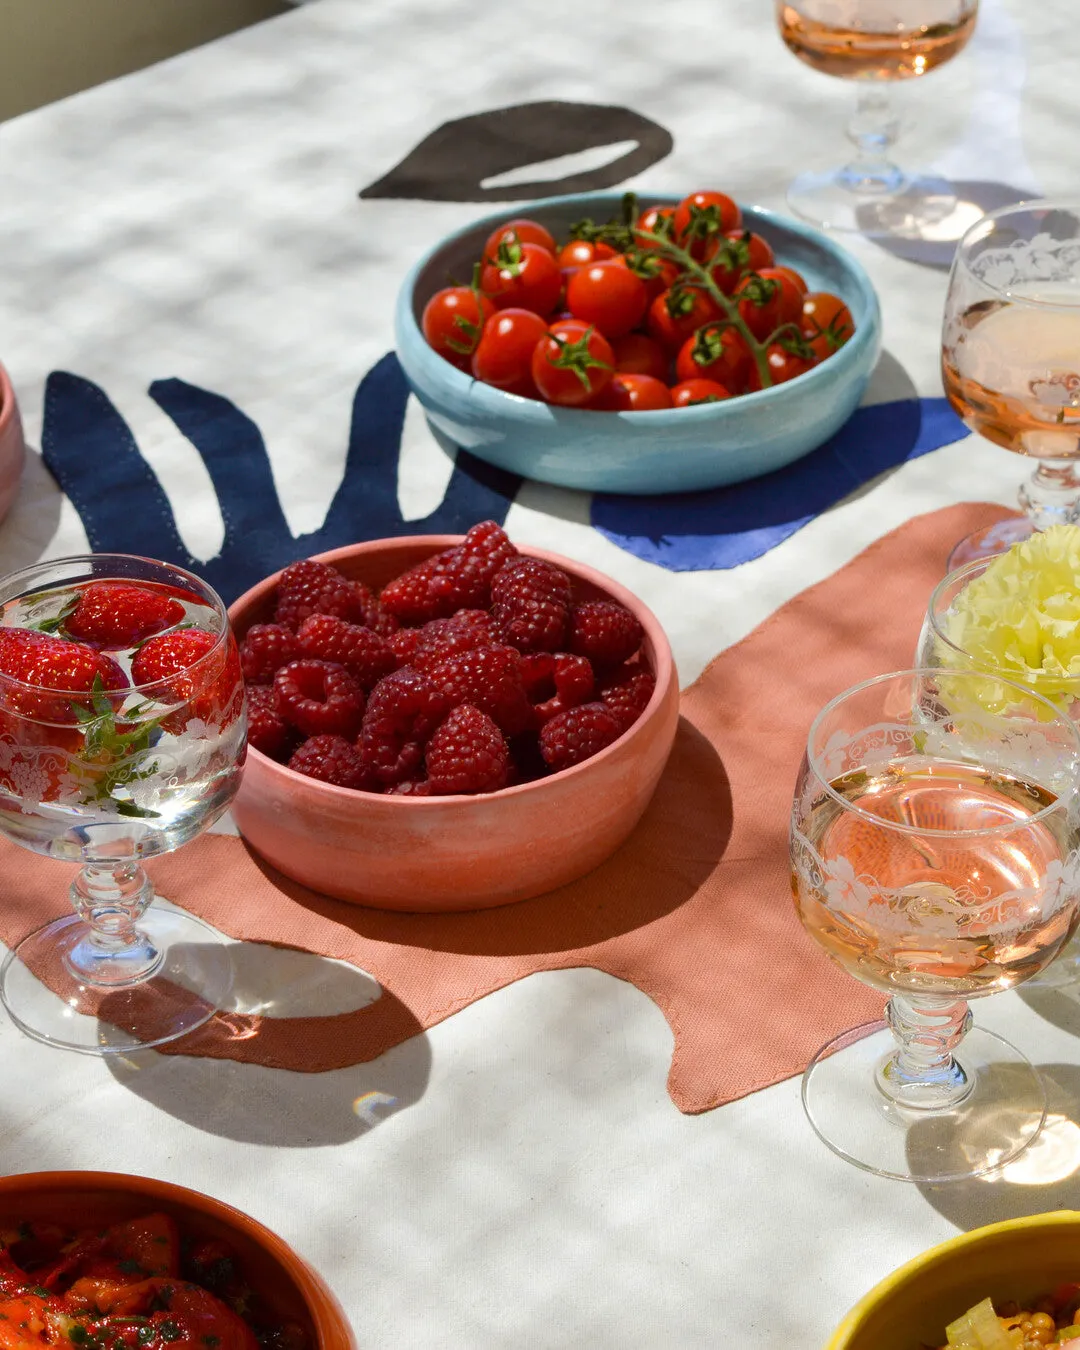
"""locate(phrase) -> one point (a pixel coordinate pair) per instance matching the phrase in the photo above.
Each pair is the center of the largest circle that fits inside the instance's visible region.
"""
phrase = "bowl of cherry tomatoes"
(611, 344)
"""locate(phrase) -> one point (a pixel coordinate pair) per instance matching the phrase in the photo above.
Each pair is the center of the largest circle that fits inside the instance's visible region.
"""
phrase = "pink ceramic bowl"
(457, 853)
(12, 449)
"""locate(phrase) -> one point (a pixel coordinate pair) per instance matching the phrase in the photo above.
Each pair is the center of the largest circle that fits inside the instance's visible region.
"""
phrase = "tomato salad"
(133, 1286)
(660, 308)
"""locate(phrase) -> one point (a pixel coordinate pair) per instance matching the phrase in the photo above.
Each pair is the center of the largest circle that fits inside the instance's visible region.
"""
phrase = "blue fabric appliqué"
(723, 527)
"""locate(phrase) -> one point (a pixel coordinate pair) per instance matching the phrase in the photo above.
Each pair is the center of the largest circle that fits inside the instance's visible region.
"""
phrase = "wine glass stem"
(873, 128)
(923, 1073)
(111, 899)
(1051, 496)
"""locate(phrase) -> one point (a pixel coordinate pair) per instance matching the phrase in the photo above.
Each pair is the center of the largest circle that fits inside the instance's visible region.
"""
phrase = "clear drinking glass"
(1010, 356)
(874, 42)
(935, 849)
(109, 776)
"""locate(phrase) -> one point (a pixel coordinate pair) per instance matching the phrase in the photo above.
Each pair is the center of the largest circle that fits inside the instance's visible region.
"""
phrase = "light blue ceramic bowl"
(674, 450)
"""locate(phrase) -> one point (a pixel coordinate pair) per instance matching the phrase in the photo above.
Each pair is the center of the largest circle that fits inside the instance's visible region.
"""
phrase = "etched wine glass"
(874, 43)
(935, 849)
(122, 735)
(1010, 357)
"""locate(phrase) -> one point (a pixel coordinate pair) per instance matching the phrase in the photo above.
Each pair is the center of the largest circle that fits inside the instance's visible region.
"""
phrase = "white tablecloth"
(517, 1176)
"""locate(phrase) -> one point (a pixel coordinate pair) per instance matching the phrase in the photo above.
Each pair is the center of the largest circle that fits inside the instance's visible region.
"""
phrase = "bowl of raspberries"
(448, 723)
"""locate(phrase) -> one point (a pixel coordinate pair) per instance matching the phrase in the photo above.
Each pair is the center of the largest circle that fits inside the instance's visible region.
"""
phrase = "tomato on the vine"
(503, 356)
(453, 320)
(785, 361)
(703, 216)
(657, 273)
(521, 231)
(825, 314)
(637, 354)
(522, 276)
(656, 220)
(678, 313)
(796, 278)
(608, 295)
(737, 252)
(633, 393)
(768, 300)
(689, 392)
(716, 354)
(581, 252)
(572, 363)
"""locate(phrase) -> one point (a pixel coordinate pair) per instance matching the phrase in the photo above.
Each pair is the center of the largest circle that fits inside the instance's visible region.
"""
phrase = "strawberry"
(46, 669)
(179, 668)
(114, 614)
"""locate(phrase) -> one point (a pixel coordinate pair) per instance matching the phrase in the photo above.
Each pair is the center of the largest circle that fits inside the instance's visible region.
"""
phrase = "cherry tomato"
(703, 215)
(796, 278)
(783, 364)
(636, 354)
(633, 393)
(657, 220)
(452, 322)
(523, 276)
(657, 273)
(712, 354)
(521, 231)
(503, 356)
(580, 252)
(737, 252)
(689, 392)
(572, 363)
(608, 295)
(676, 315)
(770, 300)
(826, 314)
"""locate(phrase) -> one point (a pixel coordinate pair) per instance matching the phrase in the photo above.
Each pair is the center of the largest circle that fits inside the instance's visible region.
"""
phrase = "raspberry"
(411, 787)
(572, 683)
(537, 674)
(403, 710)
(404, 643)
(363, 653)
(376, 618)
(330, 759)
(606, 632)
(531, 604)
(490, 679)
(319, 698)
(442, 638)
(467, 754)
(268, 732)
(50, 663)
(458, 578)
(114, 614)
(577, 734)
(310, 587)
(627, 692)
(265, 649)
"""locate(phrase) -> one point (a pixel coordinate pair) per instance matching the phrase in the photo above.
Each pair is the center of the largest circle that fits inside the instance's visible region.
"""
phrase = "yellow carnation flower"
(1021, 617)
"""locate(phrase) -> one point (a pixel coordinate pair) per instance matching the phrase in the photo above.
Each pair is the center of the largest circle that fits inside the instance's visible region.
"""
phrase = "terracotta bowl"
(12, 448)
(290, 1287)
(457, 853)
(1019, 1259)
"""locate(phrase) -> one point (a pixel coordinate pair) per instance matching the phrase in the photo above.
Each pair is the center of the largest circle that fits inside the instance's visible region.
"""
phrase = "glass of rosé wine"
(935, 853)
(874, 43)
(1010, 357)
(122, 735)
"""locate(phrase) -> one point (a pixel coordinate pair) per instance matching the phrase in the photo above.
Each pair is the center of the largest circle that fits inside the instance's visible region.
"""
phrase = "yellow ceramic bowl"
(1018, 1259)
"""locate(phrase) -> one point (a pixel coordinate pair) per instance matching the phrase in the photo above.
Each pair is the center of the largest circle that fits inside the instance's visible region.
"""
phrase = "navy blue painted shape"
(92, 454)
(723, 527)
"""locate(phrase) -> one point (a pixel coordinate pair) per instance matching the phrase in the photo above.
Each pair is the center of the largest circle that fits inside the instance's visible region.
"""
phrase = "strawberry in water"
(44, 672)
(114, 614)
(180, 668)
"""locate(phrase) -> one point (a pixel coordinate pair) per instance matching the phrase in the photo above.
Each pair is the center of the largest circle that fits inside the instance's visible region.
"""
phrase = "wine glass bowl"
(875, 43)
(111, 753)
(1010, 355)
(935, 846)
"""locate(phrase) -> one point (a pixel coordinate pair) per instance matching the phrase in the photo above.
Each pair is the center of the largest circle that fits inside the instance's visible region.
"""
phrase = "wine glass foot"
(990, 540)
(46, 998)
(996, 1120)
(910, 208)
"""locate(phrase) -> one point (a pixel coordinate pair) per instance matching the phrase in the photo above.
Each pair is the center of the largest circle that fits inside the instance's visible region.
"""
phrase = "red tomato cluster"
(664, 308)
